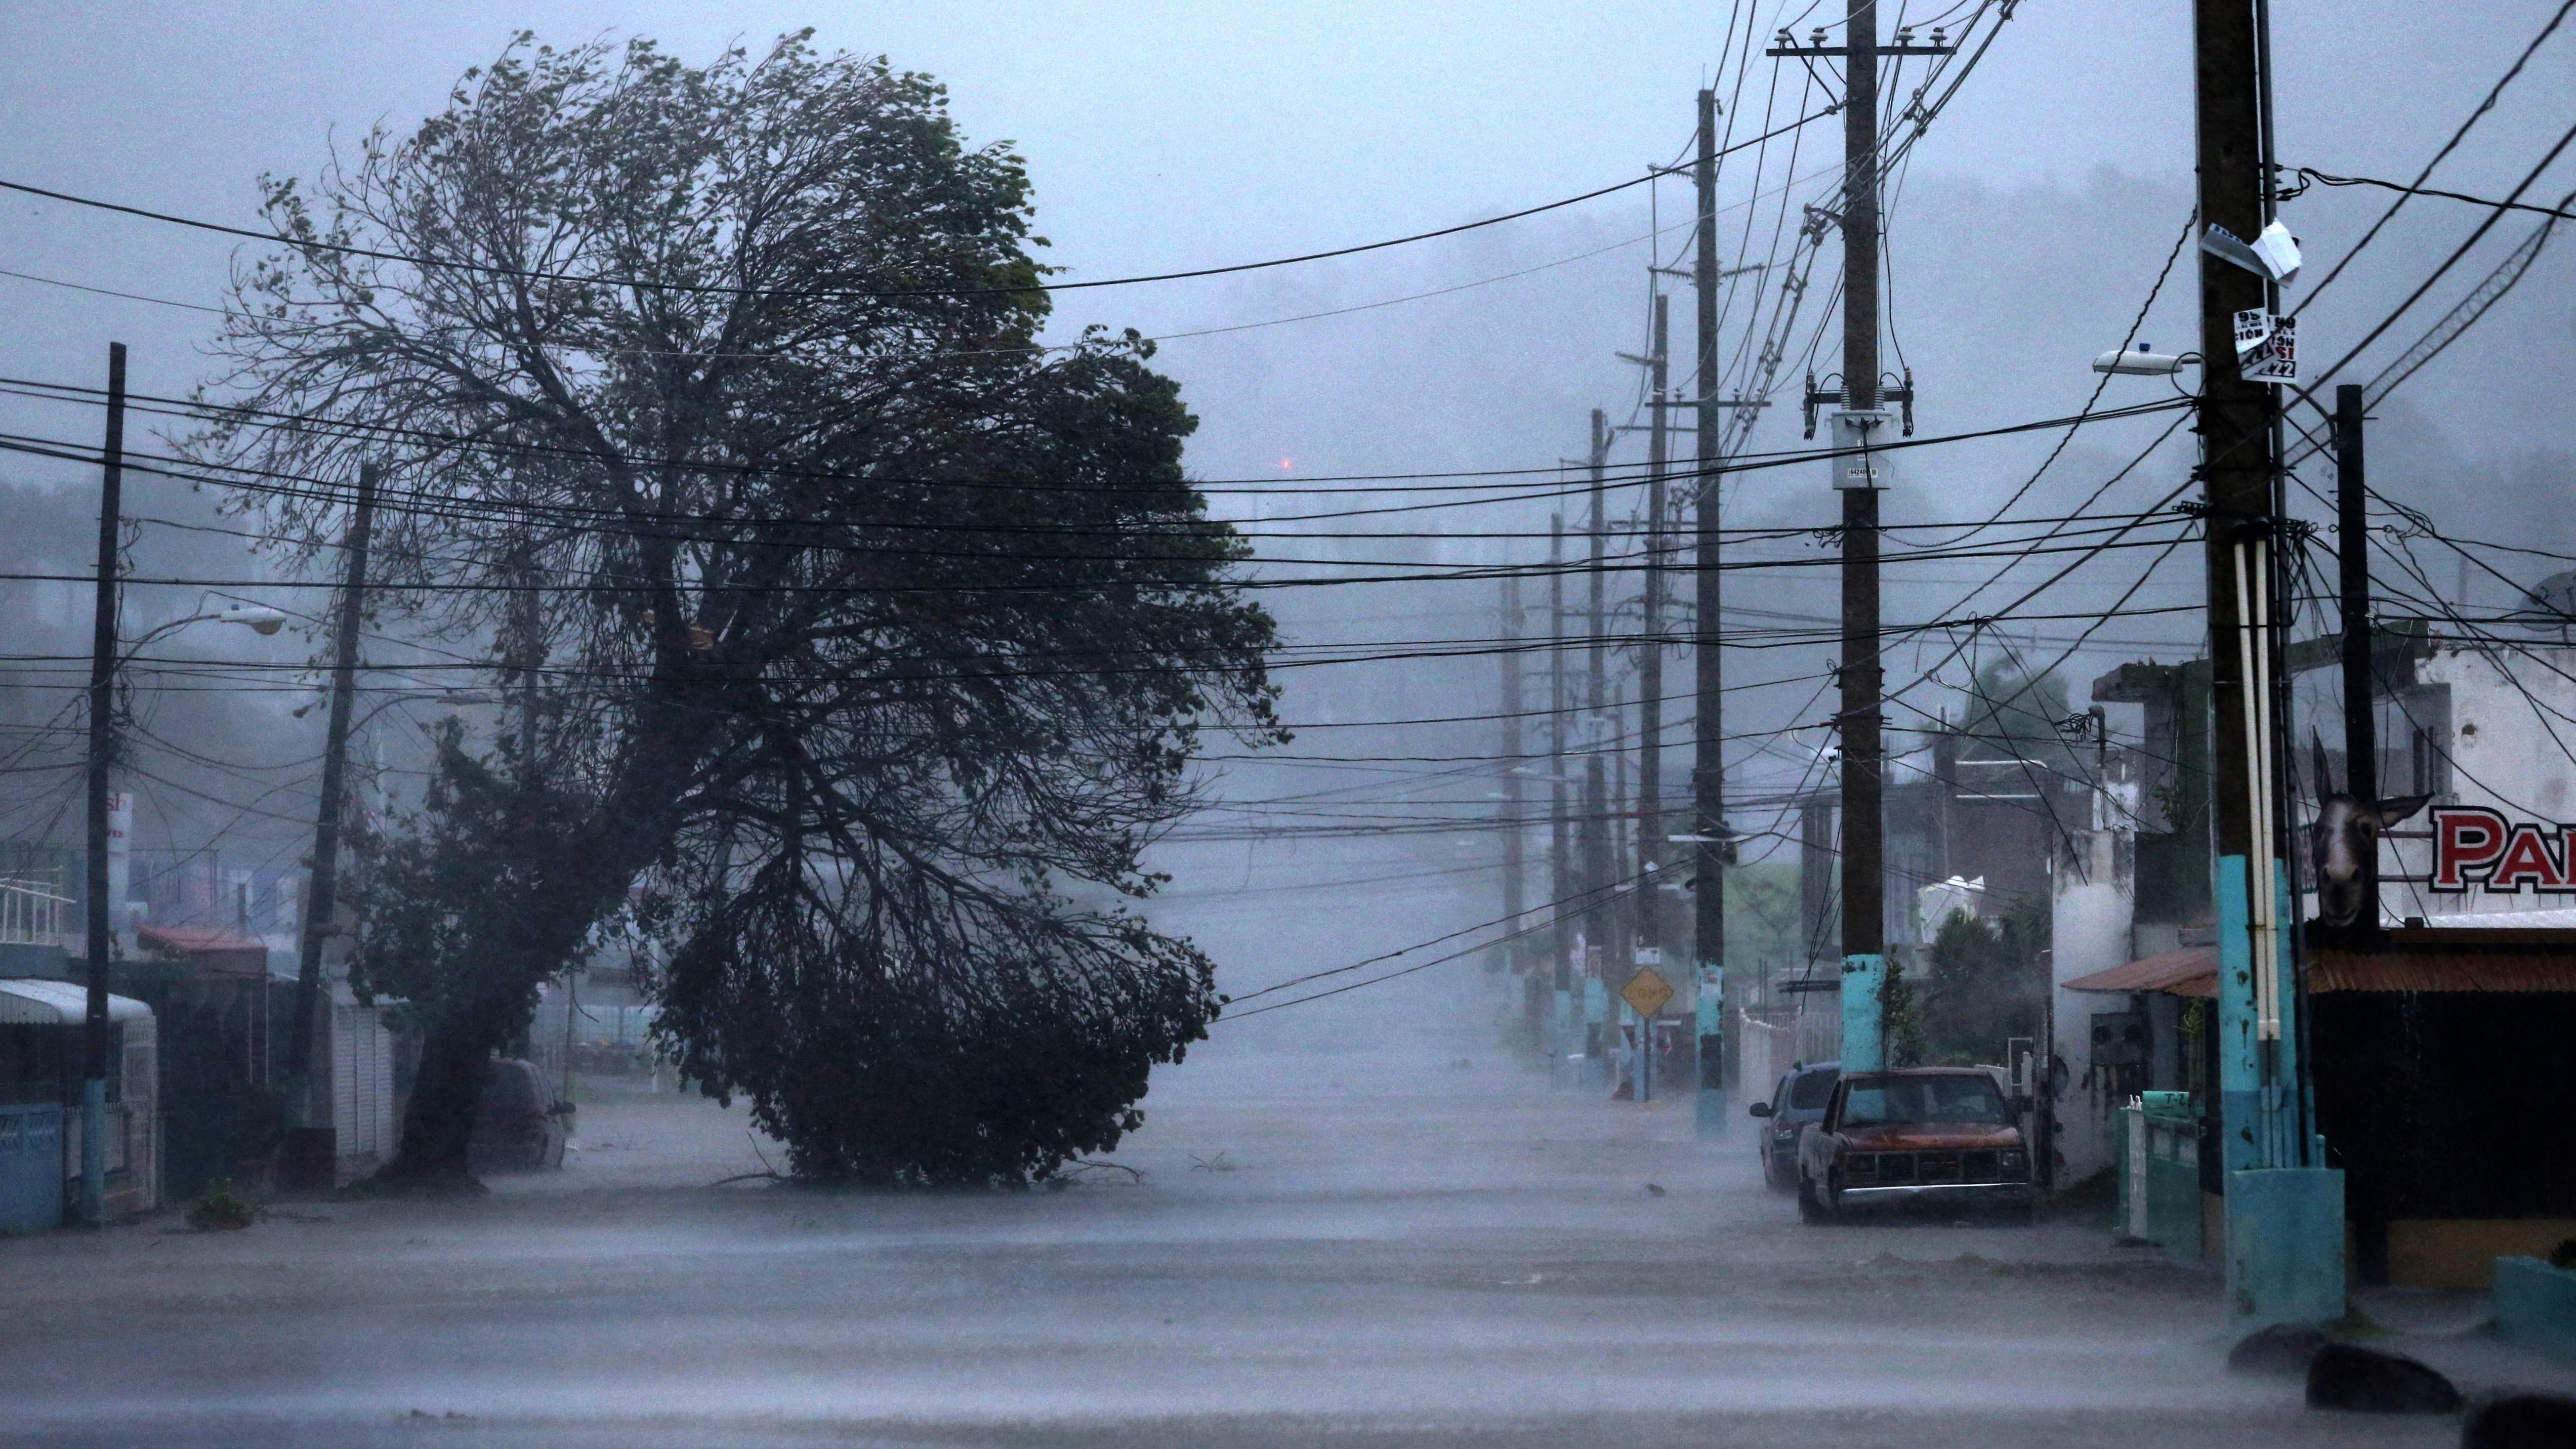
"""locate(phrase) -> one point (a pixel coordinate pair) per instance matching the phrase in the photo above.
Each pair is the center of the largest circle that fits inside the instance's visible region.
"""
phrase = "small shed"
(41, 1026)
(211, 992)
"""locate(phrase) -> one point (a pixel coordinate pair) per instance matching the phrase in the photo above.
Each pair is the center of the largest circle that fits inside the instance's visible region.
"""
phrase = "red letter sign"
(2464, 838)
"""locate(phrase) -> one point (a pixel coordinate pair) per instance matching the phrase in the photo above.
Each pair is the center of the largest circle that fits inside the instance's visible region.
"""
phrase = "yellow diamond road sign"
(1646, 991)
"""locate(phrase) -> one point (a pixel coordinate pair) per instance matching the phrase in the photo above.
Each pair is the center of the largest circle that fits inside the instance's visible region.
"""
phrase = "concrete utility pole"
(311, 1150)
(1708, 760)
(1593, 830)
(1858, 426)
(2284, 1208)
(96, 1034)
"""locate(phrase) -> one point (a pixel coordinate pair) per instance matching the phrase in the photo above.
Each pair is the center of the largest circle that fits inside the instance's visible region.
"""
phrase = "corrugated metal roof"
(2177, 972)
(33, 1002)
(2193, 972)
(2421, 970)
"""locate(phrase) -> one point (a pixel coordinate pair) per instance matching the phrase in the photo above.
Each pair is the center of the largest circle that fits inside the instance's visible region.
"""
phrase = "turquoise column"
(1596, 1035)
(2285, 1221)
(2240, 1069)
(1864, 1033)
(1708, 1115)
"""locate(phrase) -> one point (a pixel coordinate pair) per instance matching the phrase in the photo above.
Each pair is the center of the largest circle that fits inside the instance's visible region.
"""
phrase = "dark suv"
(1797, 1099)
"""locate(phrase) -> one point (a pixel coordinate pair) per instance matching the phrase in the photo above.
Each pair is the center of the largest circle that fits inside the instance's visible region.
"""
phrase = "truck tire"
(1811, 1209)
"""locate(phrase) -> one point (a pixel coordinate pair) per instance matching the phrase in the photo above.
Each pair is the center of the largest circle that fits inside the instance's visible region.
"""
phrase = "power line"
(2448, 147)
(313, 244)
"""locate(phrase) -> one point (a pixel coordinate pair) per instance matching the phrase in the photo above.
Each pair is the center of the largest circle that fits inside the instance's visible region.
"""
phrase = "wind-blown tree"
(876, 636)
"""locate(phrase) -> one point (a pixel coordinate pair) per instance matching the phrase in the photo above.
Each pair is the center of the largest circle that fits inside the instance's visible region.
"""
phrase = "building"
(2435, 1035)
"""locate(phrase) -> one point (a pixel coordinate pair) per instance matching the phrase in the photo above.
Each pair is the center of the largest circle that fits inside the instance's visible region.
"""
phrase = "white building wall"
(2091, 910)
(2509, 732)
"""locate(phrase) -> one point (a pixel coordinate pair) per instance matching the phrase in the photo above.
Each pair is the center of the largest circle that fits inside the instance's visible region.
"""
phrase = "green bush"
(222, 1210)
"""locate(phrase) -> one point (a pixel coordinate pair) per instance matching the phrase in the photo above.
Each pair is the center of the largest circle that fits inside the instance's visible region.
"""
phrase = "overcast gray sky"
(1162, 136)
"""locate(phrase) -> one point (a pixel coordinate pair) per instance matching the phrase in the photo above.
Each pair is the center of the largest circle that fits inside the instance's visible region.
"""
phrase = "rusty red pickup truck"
(1932, 1135)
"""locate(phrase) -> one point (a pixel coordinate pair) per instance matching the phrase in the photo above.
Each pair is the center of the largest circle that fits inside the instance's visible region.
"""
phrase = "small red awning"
(218, 952)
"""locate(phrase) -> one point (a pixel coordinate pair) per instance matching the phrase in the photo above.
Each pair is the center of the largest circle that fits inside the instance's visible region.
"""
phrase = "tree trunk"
(438, 1121)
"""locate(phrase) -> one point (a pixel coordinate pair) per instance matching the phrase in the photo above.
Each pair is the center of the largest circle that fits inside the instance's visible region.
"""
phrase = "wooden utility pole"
(1650, 653)
(1512, 950)
(1594, 827)
(1863, 776)
(1560, 860)
(1859, 425)
(97, 1037)
(1708, 733)
(310, 1150)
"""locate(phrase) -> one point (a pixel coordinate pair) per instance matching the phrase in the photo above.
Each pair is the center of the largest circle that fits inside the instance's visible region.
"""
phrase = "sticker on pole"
(2267, 347)
(1647, 991)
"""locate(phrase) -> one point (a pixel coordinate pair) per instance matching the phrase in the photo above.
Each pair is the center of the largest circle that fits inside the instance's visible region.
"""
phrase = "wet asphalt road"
(1409, 1252)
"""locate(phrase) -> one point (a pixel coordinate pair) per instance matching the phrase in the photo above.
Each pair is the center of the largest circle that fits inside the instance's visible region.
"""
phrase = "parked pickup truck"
(1940, 1135)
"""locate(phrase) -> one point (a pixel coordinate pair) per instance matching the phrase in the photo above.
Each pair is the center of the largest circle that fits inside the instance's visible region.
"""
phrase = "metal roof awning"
(59, 1003)
(2191, 971)
(2452, 959)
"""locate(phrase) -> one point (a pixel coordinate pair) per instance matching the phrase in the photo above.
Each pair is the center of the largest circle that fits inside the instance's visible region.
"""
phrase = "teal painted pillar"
(1596, 1030)
(93, 1152)
(1708, 1118)
(1864, 1033)
(2240, 1069)
(2285, 1219)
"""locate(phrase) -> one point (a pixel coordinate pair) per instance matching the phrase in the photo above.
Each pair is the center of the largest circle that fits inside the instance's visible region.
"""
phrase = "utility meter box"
(1857, 437)
(2119, 1039)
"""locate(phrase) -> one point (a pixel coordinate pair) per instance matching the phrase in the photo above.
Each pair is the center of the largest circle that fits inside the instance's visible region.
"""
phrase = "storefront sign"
(2479, 847)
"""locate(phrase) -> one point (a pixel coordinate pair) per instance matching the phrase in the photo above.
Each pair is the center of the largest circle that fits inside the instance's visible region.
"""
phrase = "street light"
(106, 662)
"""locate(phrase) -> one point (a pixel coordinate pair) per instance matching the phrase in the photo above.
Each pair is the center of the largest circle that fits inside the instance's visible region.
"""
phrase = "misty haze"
(1031, 725)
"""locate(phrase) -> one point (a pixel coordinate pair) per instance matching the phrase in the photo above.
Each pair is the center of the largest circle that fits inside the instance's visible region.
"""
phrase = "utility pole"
(1594, 827)
(1708, 761)
(2360, 693)
(1859, 476)
(96, 1033)
(1650, 656)
(1513, 905)
(310, 1150)
(1560, 864)
(2284, 1209)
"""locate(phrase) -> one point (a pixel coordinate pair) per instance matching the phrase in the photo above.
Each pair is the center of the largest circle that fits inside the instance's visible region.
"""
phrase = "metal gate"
(31, 1168)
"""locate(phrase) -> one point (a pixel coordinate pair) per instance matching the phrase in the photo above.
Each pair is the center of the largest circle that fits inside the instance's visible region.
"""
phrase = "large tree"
(874, 634)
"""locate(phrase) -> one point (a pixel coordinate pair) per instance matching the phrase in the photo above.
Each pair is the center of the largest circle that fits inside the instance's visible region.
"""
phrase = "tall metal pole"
(2282, 1205)
(310, 1150)
(1708, 760)
(96, 1036)
(1863, 775)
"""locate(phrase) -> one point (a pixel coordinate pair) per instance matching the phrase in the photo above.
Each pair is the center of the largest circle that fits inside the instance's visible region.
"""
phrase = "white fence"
(33, 910)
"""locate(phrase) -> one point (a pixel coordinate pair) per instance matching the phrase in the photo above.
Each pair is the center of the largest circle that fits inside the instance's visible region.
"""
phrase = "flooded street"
(1414, 1250)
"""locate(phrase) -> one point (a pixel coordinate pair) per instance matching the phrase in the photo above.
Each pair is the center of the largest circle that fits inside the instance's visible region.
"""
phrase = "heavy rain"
(1033, 725)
